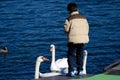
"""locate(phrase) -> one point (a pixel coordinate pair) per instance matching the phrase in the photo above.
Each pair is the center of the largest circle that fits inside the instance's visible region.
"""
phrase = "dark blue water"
(28, 27)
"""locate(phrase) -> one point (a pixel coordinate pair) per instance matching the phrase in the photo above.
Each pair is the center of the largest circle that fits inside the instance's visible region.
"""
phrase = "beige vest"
(77, 28)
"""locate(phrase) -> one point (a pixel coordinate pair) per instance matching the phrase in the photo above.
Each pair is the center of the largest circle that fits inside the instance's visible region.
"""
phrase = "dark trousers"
(75, 56)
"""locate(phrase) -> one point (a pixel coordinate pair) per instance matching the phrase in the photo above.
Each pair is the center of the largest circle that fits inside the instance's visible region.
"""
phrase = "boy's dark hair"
(72, 7)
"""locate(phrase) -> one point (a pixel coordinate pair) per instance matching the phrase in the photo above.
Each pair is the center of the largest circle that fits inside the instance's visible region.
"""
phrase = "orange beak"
(51, 49)
(45, 59)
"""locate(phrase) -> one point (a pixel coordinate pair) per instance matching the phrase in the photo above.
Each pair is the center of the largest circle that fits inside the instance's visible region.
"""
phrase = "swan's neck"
(53, 66)
(53, 56)
(38, 62)
(84, 62)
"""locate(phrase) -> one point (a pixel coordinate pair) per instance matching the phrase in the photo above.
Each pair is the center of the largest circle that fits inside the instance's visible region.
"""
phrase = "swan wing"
(61, 63)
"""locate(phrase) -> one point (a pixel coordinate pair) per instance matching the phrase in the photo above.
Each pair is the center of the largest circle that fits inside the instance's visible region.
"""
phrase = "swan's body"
(50, 74)
(61, 65)
(37, 72)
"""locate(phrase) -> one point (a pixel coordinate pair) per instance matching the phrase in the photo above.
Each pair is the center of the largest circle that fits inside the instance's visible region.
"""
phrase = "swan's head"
(42, 58)
(85, 52)
(52, 47)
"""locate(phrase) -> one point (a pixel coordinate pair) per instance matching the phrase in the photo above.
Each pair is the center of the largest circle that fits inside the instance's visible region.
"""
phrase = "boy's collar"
(75, 12)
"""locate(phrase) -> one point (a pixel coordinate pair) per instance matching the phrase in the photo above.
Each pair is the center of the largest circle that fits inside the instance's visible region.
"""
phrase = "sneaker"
(80, 73)
(71, 74)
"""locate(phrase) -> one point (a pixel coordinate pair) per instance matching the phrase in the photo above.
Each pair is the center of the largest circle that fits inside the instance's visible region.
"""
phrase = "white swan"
(61, 65)
(37, 72)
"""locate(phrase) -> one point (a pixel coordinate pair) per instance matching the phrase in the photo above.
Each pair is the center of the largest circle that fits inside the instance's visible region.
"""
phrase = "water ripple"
(28, 28)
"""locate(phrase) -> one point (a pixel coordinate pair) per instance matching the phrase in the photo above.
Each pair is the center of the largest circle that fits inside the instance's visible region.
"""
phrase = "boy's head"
(71, 7)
